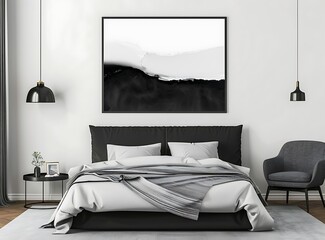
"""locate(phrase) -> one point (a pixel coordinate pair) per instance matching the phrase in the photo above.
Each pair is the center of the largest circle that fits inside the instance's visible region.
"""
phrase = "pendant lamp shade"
(297, 95)
(40, 94)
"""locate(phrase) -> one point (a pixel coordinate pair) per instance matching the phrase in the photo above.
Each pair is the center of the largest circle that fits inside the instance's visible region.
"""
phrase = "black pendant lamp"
(40, 93)
(297, 95)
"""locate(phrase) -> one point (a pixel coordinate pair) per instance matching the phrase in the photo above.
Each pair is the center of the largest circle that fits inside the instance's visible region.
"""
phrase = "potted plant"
(37, 162)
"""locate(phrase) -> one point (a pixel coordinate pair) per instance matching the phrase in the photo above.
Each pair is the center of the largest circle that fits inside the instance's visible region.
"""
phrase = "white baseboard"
(33, 197)
(281, 195)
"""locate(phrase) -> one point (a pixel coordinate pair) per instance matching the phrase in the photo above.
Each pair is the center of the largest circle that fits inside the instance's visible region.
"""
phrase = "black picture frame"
(224, 108)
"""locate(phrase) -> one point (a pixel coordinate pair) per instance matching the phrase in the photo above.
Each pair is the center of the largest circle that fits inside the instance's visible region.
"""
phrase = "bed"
(243, 209)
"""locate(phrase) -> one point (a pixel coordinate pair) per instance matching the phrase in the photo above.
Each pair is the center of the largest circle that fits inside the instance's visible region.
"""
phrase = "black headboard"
(229, 138)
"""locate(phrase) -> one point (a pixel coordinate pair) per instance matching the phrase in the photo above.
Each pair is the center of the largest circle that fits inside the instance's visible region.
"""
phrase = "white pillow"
(200, 150)
(115, 152)
(148, 160)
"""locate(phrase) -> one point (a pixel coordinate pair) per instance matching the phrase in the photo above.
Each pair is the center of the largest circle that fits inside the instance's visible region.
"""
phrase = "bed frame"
(229, 150)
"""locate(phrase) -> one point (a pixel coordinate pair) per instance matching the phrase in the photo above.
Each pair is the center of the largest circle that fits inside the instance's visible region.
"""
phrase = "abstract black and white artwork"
(164, 64)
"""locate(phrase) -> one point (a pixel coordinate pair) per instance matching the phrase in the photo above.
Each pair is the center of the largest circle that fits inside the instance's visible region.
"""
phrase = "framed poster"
(164, 64)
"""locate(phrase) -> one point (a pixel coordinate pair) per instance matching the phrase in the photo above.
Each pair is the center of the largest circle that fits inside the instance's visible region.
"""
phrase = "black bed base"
(160, 221)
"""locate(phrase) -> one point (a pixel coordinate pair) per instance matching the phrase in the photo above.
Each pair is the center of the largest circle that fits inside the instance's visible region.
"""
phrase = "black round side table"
(30, 177)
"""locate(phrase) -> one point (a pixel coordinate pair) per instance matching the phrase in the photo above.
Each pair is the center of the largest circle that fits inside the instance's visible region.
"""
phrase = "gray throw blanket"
(176, 188)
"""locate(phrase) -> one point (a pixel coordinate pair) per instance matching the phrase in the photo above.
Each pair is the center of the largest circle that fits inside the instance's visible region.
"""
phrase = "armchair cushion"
(290, 176)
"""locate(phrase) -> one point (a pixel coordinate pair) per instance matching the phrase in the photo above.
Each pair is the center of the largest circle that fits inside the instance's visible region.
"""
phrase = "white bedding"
(112, 196)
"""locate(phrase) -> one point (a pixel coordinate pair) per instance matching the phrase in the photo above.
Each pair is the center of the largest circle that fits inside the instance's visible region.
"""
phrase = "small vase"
(37, 171)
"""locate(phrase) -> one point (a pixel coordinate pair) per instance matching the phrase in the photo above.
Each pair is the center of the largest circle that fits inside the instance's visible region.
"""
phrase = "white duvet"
(112, 196)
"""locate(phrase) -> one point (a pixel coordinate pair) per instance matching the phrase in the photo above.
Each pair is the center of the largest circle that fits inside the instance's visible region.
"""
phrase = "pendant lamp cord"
(297, 43)
(40, 40)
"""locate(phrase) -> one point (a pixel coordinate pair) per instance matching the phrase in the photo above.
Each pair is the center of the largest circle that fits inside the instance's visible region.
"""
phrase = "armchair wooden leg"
(307, 201)
(321, 195)
(267, 193)
(287, 200)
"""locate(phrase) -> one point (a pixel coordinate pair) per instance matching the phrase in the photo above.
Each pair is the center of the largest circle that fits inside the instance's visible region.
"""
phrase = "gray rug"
(291, 223)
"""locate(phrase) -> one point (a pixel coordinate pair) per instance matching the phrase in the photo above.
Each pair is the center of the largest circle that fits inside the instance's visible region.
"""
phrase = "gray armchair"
(300, 166)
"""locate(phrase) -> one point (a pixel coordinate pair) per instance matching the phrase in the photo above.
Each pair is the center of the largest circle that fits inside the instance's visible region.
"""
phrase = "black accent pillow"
(229, 138)
(127, 136)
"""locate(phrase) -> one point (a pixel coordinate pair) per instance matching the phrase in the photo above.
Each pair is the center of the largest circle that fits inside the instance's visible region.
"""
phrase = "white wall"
(261, 74)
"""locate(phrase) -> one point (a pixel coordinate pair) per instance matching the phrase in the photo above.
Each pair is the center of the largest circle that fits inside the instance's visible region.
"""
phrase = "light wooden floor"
(9, 213)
